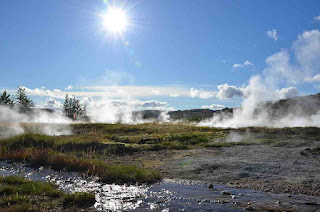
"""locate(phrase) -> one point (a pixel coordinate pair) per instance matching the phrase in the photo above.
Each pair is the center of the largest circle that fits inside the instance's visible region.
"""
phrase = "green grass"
(108, 173)
(19, 194)
(15, 184)
(108, 151)
(79, 199)
(94, 147)
(139, 129)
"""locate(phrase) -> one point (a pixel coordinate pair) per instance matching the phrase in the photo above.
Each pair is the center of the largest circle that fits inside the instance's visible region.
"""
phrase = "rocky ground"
(280, 168)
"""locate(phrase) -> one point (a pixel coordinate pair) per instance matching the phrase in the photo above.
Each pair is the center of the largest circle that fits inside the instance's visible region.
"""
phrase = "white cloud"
(133, 104)
(56, 93)
(52, 104)
(138, 91)
(289, 92)
(69, 87)
(202, 93)
(111, 92)
(152, 104)
(228, 91)
(315, 78)
(213, 107)
(174, 95)
(307, 51)
(246, 63)
(155, 92)
(237, 66)
(280, 70)
(317, 18)
(272, 34)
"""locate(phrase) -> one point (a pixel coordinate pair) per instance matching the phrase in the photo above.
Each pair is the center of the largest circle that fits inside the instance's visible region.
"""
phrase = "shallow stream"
(168, 195)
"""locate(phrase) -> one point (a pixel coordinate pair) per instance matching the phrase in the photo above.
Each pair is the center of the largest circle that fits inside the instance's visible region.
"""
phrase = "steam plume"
(267, 86)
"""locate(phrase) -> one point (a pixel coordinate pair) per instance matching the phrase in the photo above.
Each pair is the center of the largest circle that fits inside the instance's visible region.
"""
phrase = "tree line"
(20, 99)
(72, 107)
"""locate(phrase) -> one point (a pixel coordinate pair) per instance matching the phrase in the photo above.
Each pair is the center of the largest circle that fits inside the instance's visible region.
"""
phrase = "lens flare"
(115, 20)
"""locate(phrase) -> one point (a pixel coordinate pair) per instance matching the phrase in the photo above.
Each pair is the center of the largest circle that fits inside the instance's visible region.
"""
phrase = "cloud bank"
(202, 93)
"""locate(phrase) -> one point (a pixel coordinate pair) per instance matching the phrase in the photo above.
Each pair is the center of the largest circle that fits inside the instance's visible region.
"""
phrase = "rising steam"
(280, 71)
(124, 111)
(13, 122)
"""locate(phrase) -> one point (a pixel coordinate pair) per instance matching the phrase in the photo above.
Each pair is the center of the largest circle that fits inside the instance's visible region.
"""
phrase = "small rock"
(278, 202)
(225, 193)
(233, 196)
(240, 194)
(210, 186)
(310, 203)
(288, 195)
(249, 208)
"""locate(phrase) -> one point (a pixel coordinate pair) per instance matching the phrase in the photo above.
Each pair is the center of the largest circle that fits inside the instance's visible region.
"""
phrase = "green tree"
(72, 107)
(22, 100)
(5, 99)
(67, 106)
(77, 110)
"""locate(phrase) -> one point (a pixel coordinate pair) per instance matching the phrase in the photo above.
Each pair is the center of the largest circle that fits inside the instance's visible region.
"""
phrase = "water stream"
(168, 195)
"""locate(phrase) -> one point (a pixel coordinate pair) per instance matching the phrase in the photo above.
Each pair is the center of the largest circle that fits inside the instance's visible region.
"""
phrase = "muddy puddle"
(168, 195)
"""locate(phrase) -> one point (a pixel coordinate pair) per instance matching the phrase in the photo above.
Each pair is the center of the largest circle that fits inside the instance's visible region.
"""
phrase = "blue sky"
(168, 48)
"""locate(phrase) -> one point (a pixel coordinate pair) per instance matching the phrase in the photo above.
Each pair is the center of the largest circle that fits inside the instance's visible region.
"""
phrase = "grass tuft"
(19, 194)
(79, 199)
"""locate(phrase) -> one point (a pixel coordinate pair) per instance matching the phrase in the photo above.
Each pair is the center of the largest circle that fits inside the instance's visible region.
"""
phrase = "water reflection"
(168, 195)
(108, 196)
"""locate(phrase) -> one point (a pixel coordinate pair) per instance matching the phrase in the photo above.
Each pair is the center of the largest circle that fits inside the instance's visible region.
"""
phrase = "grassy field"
(93, 148)
(118, 153)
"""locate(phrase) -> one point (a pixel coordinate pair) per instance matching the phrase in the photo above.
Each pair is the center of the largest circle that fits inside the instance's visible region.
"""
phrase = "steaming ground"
(241, 119)
(285, 71)
(13, 122)
(293, 112)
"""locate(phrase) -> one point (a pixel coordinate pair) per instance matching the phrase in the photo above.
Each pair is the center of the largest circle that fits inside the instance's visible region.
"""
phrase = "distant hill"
(186, 115)
(299, 106)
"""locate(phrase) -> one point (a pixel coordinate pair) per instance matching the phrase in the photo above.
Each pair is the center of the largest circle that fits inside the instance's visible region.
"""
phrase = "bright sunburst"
(115, 20)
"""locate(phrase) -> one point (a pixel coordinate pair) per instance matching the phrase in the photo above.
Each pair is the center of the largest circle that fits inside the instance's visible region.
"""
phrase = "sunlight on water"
(169, 195)
(108, 196)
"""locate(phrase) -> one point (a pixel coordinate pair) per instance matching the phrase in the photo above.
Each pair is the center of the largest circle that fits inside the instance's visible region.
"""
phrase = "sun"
(115, 20)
